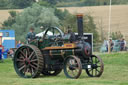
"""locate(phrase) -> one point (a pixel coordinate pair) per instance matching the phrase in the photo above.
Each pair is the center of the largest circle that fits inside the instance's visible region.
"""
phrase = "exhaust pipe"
(80, 25)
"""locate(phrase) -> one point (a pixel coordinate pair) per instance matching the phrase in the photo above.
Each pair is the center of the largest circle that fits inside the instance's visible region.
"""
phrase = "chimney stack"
(80, 25)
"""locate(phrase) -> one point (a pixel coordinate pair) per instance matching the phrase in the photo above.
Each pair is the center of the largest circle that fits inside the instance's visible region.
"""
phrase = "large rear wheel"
(28, 61)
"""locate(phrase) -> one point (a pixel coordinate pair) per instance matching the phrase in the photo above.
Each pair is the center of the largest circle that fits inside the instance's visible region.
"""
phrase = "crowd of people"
(121, 43)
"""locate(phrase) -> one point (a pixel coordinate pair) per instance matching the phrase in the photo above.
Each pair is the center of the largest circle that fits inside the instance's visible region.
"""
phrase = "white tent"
(41, 34)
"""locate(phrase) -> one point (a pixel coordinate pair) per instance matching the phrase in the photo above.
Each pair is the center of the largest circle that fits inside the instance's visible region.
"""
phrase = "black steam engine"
(54, 52)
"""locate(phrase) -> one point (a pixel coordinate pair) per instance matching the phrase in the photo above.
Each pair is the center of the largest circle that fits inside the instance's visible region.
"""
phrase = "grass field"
(115, 73)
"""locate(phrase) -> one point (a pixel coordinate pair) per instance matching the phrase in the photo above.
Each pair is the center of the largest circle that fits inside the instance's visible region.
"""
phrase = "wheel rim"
(97, 67)
(26, 62)
(72, 67)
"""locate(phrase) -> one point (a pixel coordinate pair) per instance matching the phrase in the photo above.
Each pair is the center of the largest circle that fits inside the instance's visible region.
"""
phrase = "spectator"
(22, 43)
(110, 42)
(122, 45)
(19, 44)
(11, 53)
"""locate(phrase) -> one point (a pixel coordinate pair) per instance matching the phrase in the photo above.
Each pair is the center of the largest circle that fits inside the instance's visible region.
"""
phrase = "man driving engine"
(31, 35)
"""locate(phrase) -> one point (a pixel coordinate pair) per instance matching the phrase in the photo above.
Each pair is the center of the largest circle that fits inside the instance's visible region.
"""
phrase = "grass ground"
(115, 73)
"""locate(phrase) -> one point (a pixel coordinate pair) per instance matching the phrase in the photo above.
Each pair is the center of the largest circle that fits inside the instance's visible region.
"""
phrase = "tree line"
(19, 4)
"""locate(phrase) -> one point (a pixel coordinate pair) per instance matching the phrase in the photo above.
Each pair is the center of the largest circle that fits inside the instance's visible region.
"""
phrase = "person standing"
(31, 35)
(111, 44)
(122, 45)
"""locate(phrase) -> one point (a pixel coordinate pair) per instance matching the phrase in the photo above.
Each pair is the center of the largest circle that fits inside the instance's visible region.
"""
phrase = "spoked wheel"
(97, 67)
(72, 67)
(51, 73)
(28, 61)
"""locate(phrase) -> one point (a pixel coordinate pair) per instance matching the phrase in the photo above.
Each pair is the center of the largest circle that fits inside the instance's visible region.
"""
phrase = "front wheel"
(72, 67)
(97, 67)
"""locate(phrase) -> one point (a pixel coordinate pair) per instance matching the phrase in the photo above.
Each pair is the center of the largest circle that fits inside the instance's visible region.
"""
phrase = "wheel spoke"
(31, 55)
(73, 73)
(34, 60)
(21, 56)
(95, 72)
(32, 71)
(97, 62)
(33, 66)
(26, 70)
(26, 53)
(98, 66)
(92, 71)
(20, 60)
(22, 53)
(92, 59)
(95, 59)
(22, 67)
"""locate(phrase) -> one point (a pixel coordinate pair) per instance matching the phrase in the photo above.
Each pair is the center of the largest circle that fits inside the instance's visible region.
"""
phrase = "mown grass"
(115, 73)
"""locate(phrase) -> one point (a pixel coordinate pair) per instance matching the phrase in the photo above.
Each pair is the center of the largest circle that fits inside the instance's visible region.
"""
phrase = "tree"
(35, 16)
(44, 3)
(10, 21)
(116, 35)
(89, 25)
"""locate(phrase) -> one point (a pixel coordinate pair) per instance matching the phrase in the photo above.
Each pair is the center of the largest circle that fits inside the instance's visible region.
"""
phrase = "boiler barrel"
(55, 54)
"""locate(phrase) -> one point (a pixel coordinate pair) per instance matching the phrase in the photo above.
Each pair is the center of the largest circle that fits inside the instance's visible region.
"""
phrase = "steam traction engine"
(52, 53)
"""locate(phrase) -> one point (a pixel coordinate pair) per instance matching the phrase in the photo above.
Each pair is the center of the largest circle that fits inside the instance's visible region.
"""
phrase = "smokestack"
(80, 24)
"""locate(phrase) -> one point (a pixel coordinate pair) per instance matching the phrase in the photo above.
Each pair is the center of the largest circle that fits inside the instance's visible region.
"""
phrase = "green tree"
(35, 16)
(88, 24)
(10, 21)
(90, 27)
(116, 35)
(44, 3)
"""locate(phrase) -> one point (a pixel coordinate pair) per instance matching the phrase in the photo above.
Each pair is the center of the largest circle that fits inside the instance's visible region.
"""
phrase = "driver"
(72, 36)
(31, 35)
